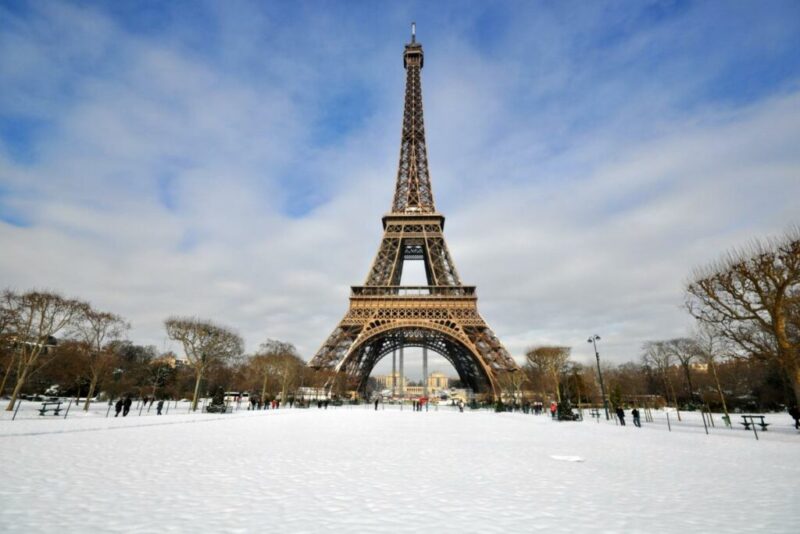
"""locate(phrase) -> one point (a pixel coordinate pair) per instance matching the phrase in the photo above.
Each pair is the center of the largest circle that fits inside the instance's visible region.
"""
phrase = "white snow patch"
(361, 470)
(567, 458)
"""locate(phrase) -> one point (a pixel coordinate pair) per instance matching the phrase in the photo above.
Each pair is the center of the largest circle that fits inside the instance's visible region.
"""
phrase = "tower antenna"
(413, 32)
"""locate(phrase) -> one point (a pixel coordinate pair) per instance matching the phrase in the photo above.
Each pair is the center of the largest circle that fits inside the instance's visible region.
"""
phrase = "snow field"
(391, 471)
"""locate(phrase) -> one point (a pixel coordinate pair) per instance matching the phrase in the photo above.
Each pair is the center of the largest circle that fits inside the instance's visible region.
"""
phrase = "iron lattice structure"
(443, 315)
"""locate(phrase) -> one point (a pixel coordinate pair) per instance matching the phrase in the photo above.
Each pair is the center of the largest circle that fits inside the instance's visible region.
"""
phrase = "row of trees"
(675, 372)
(47, 339)
(29, 324)
(745, 349)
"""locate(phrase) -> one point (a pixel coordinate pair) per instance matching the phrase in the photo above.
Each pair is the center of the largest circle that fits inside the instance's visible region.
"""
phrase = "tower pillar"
(394, 373)
(402, 376)
(425, 372)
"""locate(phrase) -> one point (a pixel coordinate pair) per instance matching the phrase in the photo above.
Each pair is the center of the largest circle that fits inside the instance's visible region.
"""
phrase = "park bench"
(748, 420)
(55, 410)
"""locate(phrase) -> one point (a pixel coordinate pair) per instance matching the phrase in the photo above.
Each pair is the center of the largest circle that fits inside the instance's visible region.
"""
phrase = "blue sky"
(233, 159)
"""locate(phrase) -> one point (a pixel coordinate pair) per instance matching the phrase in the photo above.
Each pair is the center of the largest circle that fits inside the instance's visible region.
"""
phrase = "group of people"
(274, 404)
(634, 414)
(124, 405)
(537, 407)
(418, 404)
(620, 412)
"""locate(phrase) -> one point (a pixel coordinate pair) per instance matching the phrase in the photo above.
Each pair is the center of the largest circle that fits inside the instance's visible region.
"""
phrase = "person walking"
(636, 421)
(553, 409)
(621, 416)
(118, 407)
(794, 412)
(159, 406)
(376, 405)
(126, 406)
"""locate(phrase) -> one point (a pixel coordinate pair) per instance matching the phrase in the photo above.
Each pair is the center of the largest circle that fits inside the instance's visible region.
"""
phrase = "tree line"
(47, 339)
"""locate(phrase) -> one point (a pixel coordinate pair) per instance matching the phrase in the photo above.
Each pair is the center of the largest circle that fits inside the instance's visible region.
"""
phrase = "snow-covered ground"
(357, 470)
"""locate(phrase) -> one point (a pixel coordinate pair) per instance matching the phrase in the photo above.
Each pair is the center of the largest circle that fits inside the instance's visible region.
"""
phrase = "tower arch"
(366, 354)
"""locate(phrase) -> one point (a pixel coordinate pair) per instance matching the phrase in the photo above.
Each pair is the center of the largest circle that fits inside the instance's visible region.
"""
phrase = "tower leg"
(425, 371)
(394, 373)
(402, 377)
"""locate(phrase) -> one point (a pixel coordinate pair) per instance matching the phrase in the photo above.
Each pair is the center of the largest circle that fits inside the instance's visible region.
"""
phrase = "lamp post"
(593, 340)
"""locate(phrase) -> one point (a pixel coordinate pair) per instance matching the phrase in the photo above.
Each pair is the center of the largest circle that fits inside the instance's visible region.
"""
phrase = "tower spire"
(413, 193)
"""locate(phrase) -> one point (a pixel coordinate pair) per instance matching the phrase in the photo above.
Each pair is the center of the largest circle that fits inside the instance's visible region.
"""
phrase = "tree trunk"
(787, 354)
(794, 379)
(285, 385)
(558, 389)
(719, 388)
(199, 374)
(666, 387)
(674, 399)
(264, 390)
(20, 382)
(11, 364)
(688, 374)
(92, 385)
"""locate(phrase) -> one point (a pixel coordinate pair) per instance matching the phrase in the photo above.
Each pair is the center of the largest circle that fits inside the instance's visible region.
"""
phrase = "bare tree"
(7, 316)
(258, 372)
(278, 360)
(657, 356)
(709, 344)
(96, 329)
(751, 298)
(159, 371)
(204, 344)
(550, 361)
(511, 383)
(37, 316)
(686, 351)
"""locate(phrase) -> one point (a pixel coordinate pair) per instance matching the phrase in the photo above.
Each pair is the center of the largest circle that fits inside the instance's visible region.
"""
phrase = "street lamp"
(593, 340)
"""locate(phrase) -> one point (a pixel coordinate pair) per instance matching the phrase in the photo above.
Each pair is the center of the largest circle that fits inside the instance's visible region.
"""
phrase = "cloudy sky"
(232, 159)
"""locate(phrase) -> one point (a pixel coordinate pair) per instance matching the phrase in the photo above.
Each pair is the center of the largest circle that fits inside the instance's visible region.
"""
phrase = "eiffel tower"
(385, 317)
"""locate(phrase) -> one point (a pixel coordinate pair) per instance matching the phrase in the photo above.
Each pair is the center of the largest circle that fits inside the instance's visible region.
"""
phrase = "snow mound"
(567, 458)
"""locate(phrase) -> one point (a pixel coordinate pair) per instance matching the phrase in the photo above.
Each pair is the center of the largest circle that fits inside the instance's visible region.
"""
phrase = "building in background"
(438, 381)
(391, 380)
